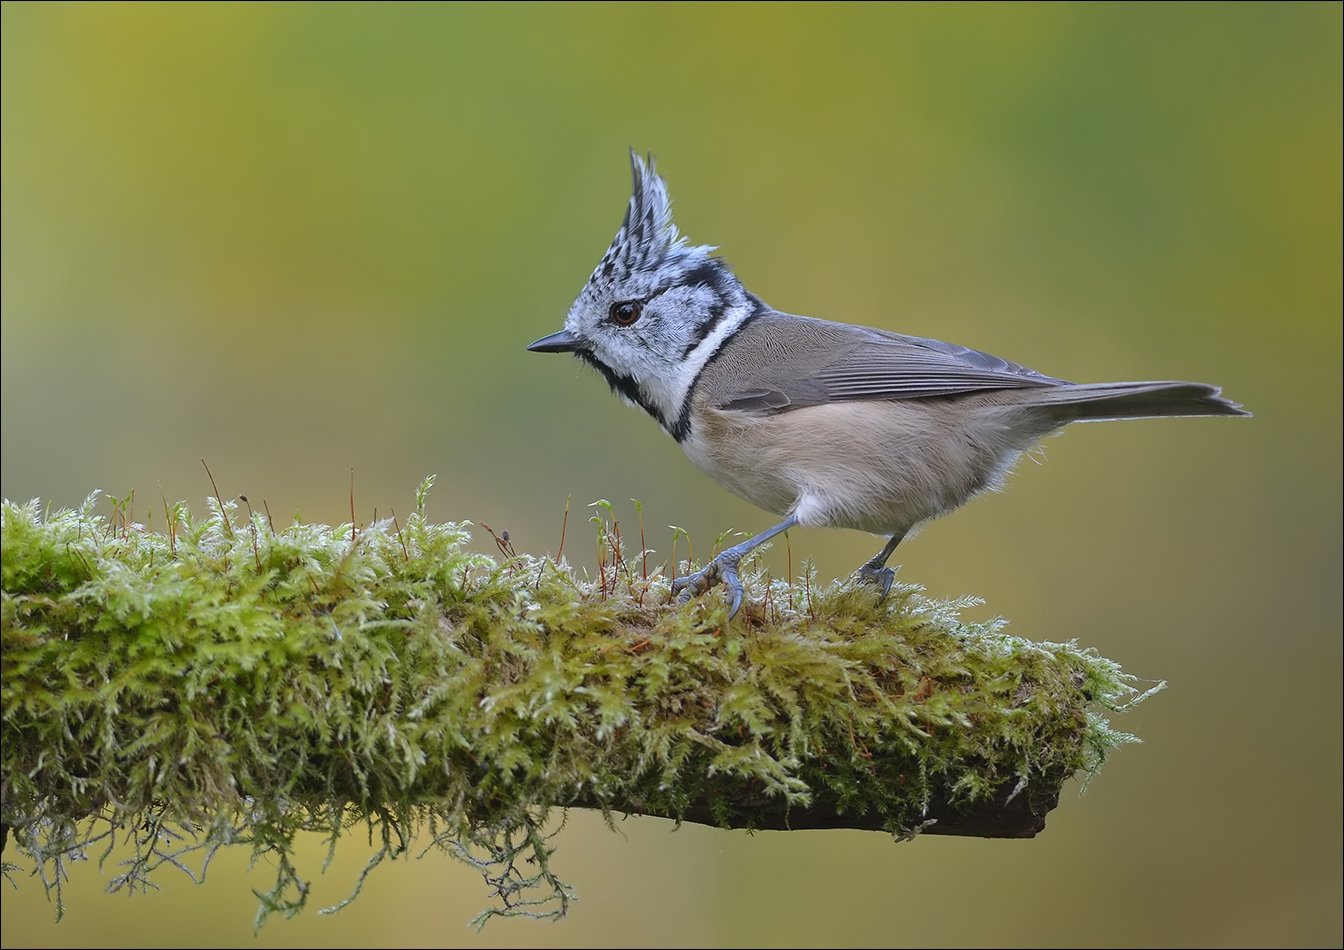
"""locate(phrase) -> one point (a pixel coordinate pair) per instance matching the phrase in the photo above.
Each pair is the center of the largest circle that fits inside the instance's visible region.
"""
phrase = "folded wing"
(781, 362)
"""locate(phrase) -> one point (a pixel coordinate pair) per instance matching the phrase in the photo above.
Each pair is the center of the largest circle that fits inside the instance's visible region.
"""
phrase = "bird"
(822, 423)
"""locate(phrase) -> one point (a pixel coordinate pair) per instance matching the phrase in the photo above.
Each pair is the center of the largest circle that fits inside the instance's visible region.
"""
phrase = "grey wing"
(787, 362)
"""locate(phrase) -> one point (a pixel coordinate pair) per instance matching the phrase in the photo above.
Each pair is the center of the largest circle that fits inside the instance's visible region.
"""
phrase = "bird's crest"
(648, 237)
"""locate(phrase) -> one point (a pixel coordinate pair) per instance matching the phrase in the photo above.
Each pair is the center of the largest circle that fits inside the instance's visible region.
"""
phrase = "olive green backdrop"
(299, 239)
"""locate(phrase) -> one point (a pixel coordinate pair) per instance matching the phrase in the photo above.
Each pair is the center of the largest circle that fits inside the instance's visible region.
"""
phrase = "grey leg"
(724, 568)
(876, 571)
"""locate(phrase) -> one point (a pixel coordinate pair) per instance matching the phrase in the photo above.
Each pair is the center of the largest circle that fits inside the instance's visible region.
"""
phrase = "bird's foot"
(880, 577)
(723, 569)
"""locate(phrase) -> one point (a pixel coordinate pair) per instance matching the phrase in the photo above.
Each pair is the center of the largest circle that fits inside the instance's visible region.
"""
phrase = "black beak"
(562, 342)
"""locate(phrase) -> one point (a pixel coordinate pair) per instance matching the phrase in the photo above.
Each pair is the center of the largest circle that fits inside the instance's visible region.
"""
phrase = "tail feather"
(1096, 401)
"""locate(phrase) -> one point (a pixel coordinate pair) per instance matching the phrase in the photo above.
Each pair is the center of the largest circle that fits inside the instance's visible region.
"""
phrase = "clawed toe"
(880, 577)
(724, 568)
(716, 571)
(734, 585)
(692, 585)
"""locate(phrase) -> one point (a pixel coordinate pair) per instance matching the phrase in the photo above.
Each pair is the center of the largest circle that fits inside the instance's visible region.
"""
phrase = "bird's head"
(647, 317)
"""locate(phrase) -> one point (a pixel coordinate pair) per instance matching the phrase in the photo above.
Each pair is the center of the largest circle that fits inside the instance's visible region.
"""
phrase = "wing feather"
(782, 362)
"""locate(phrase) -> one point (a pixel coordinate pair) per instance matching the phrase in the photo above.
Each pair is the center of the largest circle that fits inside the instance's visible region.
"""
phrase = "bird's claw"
(720, 570)
(881, 577)
(689, 585)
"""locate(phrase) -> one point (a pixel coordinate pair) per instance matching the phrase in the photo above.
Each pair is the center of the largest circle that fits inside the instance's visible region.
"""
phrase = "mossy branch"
(228, 682)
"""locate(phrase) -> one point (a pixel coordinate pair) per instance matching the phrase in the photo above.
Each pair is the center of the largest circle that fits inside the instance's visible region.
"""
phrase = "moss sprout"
(228, 682)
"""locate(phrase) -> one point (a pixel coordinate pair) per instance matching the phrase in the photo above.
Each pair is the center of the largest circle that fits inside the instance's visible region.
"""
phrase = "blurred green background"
(298, 239)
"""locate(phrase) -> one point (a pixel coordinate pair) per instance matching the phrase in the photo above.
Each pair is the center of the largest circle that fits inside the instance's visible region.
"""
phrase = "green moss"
(224, 683)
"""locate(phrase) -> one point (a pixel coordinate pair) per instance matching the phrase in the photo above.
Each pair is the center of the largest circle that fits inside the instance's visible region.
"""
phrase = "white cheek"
(666, 386)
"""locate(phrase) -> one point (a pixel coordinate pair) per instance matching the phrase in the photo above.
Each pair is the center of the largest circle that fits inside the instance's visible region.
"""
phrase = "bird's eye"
(625, 313)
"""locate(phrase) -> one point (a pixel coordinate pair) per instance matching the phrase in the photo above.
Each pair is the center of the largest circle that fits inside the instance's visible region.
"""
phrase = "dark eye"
(625, 313)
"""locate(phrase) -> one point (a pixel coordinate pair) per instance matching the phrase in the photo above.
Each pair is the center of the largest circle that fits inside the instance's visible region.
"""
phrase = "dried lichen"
(227, 682)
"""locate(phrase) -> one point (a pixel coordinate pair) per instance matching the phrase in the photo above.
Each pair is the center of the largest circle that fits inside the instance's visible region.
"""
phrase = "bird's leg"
(724, 568)
(876, 572)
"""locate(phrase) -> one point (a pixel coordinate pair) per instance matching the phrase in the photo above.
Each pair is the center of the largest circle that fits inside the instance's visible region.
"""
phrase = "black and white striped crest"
(648, 238)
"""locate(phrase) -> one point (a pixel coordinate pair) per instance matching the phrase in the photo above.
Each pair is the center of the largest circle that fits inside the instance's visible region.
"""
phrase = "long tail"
(1095, 401)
